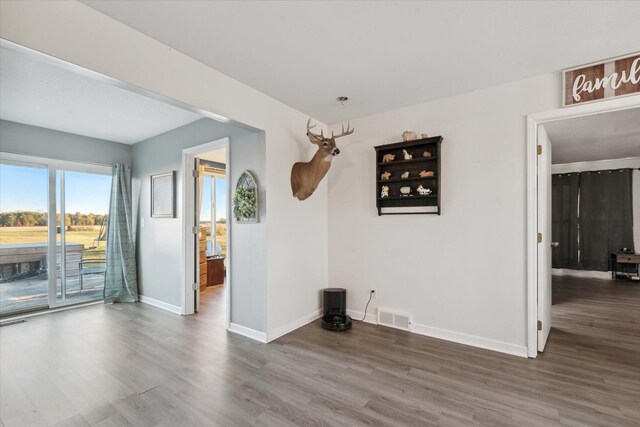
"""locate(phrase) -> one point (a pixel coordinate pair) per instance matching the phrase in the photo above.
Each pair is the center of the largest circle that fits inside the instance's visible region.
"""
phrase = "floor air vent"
(394, 319)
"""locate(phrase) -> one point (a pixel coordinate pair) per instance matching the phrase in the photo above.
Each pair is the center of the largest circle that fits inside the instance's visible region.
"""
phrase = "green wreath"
(244, 203)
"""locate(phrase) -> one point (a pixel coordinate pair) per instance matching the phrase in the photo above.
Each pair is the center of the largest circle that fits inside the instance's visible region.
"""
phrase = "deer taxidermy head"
(305, 177)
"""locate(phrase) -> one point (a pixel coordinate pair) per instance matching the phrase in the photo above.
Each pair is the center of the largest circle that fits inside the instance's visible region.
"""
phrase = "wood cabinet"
(215, 271)
(407, 191)
(203, 259)
(625, 264)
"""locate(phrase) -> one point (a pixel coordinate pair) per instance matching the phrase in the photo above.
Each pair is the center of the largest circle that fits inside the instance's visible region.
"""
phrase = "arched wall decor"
(245, 199)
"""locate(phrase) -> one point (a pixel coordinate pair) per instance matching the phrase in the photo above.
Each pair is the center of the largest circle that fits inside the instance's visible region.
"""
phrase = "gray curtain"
(606, 216)
(121, 282)
(564, 217)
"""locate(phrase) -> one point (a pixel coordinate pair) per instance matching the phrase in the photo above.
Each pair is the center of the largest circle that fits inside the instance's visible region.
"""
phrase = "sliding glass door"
(53, 228)
(24, 237)
(83, 202)
(213, 212)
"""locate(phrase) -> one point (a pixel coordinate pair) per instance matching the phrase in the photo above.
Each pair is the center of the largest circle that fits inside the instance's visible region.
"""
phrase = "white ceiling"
(42, 94)
(606, 136)
(382, 55)
(218, 156)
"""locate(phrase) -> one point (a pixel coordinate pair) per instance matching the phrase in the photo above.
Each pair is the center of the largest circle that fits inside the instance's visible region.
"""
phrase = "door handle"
(555, 244)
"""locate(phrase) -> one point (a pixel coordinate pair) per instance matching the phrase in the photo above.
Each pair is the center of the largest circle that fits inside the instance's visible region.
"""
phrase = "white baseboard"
(372, 317)
(292, 326)
(443, 334)
(248, 332)
(585, 274)
(17, 317)
(472, 340)
(161, 304)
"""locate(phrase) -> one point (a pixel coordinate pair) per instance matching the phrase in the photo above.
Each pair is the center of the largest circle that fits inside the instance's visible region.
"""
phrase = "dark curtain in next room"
(564, 216)
(606, 216)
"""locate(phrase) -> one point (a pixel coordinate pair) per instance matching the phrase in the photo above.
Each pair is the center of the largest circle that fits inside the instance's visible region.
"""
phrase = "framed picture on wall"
(163, 195)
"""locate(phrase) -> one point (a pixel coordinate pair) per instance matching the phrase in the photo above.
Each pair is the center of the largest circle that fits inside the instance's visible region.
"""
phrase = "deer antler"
(321, 137)
(315, 135)
(343, 133)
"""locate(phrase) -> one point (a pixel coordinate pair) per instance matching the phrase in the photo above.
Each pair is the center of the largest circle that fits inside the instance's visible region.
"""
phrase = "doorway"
(212, 246)
(540, 168)
(206, 228)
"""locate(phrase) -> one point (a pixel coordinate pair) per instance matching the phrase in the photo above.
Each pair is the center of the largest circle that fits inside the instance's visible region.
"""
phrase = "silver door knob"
(555, 244)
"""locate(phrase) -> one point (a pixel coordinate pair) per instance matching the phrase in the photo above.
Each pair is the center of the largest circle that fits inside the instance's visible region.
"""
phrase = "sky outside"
(221, 199)
(25, 189)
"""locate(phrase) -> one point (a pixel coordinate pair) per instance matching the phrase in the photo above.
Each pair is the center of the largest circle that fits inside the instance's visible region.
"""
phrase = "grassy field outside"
(85, 235)
(221, 234)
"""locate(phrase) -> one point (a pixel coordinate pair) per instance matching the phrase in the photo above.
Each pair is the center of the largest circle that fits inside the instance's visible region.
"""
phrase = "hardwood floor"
(133, 364)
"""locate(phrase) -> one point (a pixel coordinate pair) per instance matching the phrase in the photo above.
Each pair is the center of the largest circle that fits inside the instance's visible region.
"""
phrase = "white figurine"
(423, 191)
(405, 191)
(407, 155)
(405, 175)
(408, 135)
(384, 192)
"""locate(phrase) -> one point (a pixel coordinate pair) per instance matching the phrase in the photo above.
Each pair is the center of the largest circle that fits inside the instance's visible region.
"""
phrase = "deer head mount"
(305, 177)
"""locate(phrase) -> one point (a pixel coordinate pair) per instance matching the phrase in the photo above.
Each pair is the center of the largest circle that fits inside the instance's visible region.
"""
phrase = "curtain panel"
(564, 227)
(606, 216)
(121, 282)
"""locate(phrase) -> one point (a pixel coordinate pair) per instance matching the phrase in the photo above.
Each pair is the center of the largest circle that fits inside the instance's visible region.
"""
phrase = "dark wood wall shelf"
(397, 162)
(396, 203)
(419, 178)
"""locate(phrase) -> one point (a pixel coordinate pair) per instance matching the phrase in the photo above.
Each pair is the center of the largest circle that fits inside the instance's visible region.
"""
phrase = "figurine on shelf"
(385, 176)
(423, 191)
(424, 136)
(408, 135)
(407, 155)
(385, 191)
(388, 158)
(426, 174)
(405, 191)
(405, 175)
(426, 154)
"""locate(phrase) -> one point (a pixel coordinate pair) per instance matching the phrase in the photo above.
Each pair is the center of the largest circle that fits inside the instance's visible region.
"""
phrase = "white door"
(196, 237)
(544, 237)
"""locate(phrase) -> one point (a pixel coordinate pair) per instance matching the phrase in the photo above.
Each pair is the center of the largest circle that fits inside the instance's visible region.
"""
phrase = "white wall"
(461, 275)
(297, 231)
(159, 256)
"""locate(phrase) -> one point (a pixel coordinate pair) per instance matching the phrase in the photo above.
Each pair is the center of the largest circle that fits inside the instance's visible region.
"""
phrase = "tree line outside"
(38, 218)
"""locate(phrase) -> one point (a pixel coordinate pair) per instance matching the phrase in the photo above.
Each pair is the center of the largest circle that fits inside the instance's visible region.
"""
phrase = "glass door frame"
(53, 166)
(214, 174)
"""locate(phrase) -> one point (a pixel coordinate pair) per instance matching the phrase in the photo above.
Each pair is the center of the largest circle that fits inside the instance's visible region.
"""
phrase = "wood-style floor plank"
(136, 365)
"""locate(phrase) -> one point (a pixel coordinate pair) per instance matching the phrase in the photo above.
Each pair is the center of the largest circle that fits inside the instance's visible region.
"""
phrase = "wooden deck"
(33, 293)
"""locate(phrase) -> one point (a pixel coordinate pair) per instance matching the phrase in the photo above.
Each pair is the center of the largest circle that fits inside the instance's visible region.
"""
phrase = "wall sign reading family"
(607, 79)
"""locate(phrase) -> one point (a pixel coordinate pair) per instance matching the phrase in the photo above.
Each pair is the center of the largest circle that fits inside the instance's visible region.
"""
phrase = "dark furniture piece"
(334, 313)
(396, 203)
(215, 271)
(623, 261)
(202, 259)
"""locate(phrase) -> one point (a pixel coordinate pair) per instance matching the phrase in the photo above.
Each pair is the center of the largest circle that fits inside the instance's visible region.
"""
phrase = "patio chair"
(91, 266)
